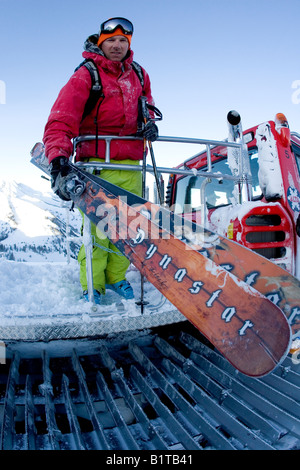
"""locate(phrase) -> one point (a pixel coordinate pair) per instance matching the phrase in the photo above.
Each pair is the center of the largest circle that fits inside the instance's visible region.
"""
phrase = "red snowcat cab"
(251, 197)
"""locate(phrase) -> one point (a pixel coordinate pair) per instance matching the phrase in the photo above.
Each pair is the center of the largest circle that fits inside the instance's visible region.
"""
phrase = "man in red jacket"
(115, 114)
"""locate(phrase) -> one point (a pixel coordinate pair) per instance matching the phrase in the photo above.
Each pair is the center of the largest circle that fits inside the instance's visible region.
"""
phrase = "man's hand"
(59, 169)
(150, 131)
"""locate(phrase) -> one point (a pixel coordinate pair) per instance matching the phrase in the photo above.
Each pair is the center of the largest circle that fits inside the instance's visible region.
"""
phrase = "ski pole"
(142, 301)
(143, 113)
(144, 170)
(160, 196)
(146, 118)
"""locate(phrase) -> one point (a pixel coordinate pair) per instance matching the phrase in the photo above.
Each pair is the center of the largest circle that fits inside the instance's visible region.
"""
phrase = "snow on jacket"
(117, 114)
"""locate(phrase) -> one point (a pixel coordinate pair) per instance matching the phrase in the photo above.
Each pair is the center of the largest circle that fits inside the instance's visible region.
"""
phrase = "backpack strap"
(139, 71)
(97, 90)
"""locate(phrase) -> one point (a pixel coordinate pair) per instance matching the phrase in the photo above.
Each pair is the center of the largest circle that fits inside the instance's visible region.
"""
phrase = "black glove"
(59, 169)
(150, 131)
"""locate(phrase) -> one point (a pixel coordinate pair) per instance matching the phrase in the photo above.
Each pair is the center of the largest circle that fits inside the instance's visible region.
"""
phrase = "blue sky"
(203, 57)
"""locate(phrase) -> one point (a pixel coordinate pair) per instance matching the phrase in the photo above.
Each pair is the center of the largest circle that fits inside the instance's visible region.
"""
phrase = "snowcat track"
(166, 389)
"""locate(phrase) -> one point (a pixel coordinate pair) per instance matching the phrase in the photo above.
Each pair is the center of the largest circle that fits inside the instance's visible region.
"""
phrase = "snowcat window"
(296, 151)
(256, 190)
(219, 192)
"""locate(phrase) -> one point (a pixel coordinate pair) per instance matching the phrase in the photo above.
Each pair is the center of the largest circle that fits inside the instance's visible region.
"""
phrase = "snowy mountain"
(33, 225)
(39, 282)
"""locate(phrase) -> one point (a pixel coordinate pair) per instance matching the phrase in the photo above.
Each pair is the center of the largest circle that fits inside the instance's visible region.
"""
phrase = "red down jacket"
(117, 114)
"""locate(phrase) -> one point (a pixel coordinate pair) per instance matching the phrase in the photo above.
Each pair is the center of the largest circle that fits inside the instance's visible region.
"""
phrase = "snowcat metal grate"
(165, 390)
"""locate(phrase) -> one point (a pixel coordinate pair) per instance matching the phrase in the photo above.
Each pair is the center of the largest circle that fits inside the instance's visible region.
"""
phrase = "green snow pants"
(108, 264)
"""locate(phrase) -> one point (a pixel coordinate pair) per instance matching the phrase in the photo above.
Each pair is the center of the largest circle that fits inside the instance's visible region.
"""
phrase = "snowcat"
(151, 381)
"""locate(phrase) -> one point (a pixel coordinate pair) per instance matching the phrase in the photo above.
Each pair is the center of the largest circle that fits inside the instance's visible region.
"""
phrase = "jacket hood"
(90, 45)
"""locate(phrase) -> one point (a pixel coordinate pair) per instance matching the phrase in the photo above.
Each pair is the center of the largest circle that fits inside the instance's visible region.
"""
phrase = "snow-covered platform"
(135, 387)
(43, 302)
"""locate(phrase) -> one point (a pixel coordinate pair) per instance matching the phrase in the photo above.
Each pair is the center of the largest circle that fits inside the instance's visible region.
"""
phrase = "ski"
(246, 327)
(270, 279)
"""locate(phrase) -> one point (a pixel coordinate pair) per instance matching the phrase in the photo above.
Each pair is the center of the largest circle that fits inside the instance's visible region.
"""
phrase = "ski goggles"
(112, 24)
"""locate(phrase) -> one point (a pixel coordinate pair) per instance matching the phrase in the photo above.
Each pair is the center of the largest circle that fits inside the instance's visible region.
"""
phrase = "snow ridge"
(33, 224)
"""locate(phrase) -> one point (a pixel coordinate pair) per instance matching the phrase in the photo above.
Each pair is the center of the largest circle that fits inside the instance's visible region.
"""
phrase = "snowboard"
(270, 279)
(246, 327)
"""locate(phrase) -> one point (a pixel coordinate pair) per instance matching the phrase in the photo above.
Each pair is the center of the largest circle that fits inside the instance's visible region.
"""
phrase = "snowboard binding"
(70, 185)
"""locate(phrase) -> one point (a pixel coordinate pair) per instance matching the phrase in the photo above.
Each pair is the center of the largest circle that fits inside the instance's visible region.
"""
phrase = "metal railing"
(240, 179)
(296, 134)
